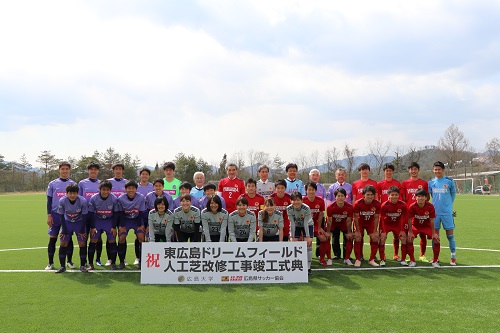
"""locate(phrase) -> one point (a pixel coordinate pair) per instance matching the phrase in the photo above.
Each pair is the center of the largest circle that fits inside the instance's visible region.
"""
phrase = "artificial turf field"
(465, 298)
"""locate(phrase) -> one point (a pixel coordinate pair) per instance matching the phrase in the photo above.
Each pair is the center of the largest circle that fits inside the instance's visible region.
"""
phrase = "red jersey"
(255, 204)
(393, 216)
(281, 204)
(366, 211)
(231, 190)
(383, 187)
(409, 187)
(358, 185)
(421, 216)
(339, 215)
(317, 210)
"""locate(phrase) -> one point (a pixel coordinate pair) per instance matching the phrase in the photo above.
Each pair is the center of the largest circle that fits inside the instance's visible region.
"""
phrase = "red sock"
(348, 249)
(357, 250)
(381, 250)
(423, 244)
(436, 248)
(373, 250)
(405, 249)
(411, 251)
(395, 243)
(324, 248)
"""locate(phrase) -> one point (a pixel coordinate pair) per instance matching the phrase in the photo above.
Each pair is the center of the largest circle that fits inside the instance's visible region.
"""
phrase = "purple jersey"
(56, 190)
(151, 197)
(203, 202)
(321, 191)
(88, 187)
(118, 186)
(103, 208)
(144, 190)
(194, 202)
(346, 186)
(131, 208)
(73, 212)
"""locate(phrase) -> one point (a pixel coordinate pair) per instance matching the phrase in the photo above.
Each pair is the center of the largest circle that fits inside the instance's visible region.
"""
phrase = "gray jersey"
(214, 224)
(187, 220)
(242, 227)
(273, 224)
(300, 218)
(265, 189)
(160, 224)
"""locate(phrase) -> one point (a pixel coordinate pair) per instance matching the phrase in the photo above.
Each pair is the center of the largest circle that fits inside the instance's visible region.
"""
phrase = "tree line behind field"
(453, 149)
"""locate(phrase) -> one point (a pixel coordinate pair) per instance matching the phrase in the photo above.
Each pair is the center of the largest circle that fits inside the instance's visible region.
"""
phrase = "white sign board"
(224, 263)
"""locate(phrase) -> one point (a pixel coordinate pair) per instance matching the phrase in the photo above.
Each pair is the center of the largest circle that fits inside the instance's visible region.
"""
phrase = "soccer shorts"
(301, 231)
(368, 227)
(73, 227)
(425, 231)
(388, 228)
(131, 224)
(446, 220)
(56, 226)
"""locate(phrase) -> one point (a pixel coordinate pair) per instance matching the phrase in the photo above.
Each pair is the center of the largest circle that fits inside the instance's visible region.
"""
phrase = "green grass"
(378, 300)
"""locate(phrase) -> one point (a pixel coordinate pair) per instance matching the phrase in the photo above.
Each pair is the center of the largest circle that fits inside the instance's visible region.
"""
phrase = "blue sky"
(154, 78)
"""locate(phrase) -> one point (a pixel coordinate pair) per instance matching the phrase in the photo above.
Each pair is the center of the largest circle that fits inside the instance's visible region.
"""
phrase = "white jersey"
(265, 189)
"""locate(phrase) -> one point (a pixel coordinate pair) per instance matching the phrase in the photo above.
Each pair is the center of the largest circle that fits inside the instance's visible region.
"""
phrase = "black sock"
(83, 255)
(137, 246)
(122, 251)
(98, 249)
(70, 248)
(92, 247)
(62, 255)
(51, 249)
(112, 252)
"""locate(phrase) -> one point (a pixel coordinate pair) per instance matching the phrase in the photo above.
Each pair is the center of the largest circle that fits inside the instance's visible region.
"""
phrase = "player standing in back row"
(443, 192)
(231, 187)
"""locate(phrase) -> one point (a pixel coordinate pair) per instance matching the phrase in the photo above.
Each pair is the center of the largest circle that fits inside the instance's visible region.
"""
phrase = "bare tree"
(261, 158)
(349, 154)
(493, 150)
(238, 159)
(301, 160)
(454, 145)
(251, 161)
(332, 162)
(378, 150)
(314, 159)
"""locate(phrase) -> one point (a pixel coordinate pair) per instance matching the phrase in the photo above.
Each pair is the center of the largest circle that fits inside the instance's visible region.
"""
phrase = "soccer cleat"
(83, 269)
(98, 262)
(335, 258)
(357, 263)
(61, 270)
(121, 266)
(69, 264)
(90, 267)
(435, 264)
(362, 258)
(403, 263)
(125, 262)
(309, 272)
(329, 262)
(397, 258)
(423, 259)
(322, 263)
(49, 267)
(108, 263)
(348, 262)
(114, 267)
(382, 263)
(136, 261)
(412, 264)
(453, 262)
(373, 263)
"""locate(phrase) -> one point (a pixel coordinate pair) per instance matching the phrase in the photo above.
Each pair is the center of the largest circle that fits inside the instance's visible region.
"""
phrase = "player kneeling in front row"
(270, 221)
(131, 207)
(393, 219)
(160, 221)
(301, 224)
(103, 218)
(214, 220)
(73, 212)
(339, 215)
(187, 221)
(241, 222)
(421, 215)
(366, 217)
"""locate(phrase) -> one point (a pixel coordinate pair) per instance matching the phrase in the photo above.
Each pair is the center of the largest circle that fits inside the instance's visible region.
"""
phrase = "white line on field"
(314, 269)
(37, 248)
